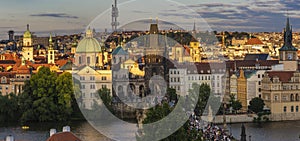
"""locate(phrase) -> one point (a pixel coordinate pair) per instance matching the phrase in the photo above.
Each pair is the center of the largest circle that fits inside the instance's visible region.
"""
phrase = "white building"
(87, 73)
(183, 77)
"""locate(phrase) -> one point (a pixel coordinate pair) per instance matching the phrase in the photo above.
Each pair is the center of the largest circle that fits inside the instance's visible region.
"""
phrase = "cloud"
(55, 15)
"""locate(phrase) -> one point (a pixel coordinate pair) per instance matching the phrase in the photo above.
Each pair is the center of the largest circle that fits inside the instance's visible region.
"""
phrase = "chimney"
(9, 138)
(52, 132)
(66, 129)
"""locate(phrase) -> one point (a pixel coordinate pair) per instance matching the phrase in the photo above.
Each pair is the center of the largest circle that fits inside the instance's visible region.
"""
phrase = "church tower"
(27, 50)
(51, 53)
(288, 53)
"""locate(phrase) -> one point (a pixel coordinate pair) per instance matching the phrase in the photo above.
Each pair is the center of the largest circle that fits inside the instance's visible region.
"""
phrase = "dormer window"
(3, 79)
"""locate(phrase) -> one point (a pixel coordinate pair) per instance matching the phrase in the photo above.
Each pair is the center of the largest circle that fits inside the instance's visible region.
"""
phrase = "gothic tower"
(288, 53)
(155, 61)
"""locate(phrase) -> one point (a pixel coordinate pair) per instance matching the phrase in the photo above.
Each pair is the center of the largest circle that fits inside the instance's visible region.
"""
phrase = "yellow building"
(195, 50)
(280, 92)
(242, 90)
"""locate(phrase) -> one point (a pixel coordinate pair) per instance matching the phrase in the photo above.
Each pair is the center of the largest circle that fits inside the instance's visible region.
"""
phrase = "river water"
(272, 131)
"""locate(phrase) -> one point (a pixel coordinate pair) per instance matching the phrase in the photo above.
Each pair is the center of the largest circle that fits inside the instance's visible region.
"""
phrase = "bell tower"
(27, 50)
(51, 53)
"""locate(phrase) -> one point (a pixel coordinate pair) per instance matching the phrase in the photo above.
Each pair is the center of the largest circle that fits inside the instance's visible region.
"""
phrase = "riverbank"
(219, 119)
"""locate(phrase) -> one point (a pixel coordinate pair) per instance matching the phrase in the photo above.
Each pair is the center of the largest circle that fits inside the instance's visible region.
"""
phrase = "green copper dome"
(88, 44)
(119, 51)
(27, 33)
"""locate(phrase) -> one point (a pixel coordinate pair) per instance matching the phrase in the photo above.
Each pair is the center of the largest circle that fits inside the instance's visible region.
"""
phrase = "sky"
(73, 16)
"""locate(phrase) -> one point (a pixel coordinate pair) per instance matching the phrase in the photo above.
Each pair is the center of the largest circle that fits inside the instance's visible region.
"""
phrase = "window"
(259, 83)
(83, 87)
(258, 76)
(297, 97)
(276, 98)
(103, 78)
(259, 89)
(284, 109)
(292, 108)
(91, 95)
(88, 60)
(92, 86)
(297, 108)
(292, 97)
(79, 60)
(82, 78)
(3, 79)
(92, 77)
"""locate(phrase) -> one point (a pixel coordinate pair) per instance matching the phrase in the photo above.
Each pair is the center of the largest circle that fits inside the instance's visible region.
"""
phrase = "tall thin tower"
(114, 16)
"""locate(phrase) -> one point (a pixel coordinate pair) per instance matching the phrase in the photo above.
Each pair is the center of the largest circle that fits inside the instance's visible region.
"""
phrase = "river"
(272, 131)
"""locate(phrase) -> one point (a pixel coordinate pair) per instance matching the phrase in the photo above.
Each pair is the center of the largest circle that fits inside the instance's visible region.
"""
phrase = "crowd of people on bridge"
(209, 131)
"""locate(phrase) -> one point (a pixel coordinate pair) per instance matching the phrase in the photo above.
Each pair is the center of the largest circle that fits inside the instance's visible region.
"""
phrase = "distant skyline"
(73, 16)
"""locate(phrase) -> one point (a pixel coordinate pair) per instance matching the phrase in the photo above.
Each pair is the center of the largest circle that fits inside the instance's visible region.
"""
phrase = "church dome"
(88, 44)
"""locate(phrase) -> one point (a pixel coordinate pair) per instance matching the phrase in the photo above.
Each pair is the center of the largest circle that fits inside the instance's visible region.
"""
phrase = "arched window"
(292, 97)
(284, 109)
(297, 97)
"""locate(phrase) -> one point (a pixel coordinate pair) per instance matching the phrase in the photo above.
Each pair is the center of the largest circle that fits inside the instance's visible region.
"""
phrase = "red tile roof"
(254, 41)
(284, 76)
(64, 136)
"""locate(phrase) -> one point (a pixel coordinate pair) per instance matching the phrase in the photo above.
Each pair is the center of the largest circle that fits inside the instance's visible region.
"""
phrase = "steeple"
(243, 134)
(27, 27)
(288, 38)
(194, 28)
(288, 33)
(50, 41)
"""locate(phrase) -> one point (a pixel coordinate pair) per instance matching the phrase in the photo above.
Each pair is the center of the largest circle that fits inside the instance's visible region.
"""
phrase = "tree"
(106, 97)
(47, 97)
(203, 91)
(9, 110)
(235, 104)
(65, 95)
(171, 94)
(41, 93)
(256, 105)
(184, 133)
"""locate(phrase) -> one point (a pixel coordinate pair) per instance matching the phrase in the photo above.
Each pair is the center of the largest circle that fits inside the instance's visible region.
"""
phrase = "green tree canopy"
(256, 105)
(47, 97)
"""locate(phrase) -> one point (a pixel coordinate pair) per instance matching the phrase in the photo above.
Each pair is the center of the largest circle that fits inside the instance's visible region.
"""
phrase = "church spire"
(194, 28)
(288, 37)
(288, 34)
(27, 27)
(50, 41)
